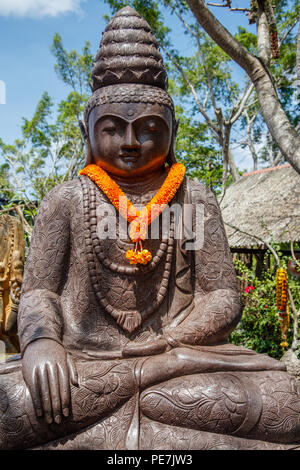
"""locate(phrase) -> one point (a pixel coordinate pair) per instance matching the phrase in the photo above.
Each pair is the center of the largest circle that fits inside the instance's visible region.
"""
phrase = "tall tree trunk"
(284, 134)
(298, 56)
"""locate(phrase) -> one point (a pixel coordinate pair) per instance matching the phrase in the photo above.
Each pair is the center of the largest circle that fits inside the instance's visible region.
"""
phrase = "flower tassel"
(139, 220)
(136, 256)
(282, 305)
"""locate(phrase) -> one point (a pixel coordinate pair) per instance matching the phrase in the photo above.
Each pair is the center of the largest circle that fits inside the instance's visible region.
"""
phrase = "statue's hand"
(47, 371)
(149, 348)
(129, 321)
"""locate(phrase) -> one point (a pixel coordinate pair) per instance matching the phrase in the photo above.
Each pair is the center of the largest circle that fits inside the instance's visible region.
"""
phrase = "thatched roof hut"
(263, 205)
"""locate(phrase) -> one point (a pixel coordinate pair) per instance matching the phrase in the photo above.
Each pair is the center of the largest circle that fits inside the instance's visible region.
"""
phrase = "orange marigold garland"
(282, 305)
(138, 219)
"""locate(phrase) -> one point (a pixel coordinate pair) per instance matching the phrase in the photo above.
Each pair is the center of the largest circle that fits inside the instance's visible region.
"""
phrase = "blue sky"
(26, 63)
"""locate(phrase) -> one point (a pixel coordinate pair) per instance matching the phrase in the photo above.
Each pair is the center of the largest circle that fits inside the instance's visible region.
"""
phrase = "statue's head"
(129, 119)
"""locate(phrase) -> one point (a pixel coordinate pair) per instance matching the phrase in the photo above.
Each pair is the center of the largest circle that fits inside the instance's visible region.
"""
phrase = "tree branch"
(264, 52)
(296, 261)
(249, 138)
(296, 313)
(296, 316)
(209, 81)
(193, 91)
(27, 228)
(242, 104)
(287, 32)
(225, 6)
(259, 239)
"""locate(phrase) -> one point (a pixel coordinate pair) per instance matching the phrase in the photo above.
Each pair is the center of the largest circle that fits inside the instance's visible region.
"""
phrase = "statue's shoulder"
(199, 192)
(64, 196)
(64, 191)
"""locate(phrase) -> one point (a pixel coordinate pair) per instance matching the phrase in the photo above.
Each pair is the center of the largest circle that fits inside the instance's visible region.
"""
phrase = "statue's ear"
(171, 157)
(85, 136)
(176, 125)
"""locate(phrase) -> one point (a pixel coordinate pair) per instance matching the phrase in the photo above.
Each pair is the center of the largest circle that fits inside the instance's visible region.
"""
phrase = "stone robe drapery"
(58, 301)
(200, 308)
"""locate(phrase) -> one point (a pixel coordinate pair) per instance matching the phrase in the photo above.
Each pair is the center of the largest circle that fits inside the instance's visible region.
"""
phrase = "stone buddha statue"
(124, 336)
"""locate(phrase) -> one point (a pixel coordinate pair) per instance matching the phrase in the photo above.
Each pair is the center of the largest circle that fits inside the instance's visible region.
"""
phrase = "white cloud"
(38, 8)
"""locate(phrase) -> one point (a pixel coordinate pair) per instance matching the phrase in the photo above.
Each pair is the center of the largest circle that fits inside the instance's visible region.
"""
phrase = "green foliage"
(247, 39)
(51, 149)
(259, 327)
(74, 69)
(194, 150)
(6, 189)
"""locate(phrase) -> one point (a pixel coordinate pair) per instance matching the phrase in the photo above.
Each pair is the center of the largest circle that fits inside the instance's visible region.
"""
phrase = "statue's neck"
(149, 183)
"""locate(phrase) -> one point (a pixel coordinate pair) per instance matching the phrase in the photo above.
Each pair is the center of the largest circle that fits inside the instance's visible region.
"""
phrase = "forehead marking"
(130, 112)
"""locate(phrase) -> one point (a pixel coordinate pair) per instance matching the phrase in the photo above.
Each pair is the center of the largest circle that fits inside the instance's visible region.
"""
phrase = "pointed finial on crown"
(128, 53)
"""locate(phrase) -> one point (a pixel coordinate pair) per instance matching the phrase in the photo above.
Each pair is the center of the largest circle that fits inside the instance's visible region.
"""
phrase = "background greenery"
(259, 328)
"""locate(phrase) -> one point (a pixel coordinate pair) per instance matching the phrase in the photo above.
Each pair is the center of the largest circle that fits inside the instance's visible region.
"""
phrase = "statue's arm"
(47, 368)
(45, 271)
(217, 304)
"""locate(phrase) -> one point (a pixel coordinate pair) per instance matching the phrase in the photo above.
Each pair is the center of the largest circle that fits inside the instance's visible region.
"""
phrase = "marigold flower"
(282, 304)
(138, 257)
(281, 289)
(139, 220)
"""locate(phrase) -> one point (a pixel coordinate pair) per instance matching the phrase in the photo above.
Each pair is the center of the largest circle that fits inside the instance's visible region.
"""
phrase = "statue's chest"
(128, 286)
(119, 286)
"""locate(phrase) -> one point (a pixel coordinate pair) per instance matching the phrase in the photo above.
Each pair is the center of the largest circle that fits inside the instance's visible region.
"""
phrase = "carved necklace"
(138, 219)
(129, 320)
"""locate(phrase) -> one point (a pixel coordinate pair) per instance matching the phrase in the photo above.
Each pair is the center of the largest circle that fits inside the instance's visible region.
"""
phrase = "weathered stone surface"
(116, 356)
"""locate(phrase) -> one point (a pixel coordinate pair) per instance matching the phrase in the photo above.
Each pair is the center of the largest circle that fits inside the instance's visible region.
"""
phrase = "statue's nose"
(129, 139)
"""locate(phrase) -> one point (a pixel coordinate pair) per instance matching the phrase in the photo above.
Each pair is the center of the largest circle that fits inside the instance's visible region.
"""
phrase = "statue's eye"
(109, 130)
(151, 127)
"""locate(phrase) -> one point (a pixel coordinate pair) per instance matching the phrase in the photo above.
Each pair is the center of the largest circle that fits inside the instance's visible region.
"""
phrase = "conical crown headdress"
(128, 53)
(128, 57)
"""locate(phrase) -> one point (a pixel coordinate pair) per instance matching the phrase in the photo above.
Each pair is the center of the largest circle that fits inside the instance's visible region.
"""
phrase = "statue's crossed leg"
(262, 405)
(258, 405)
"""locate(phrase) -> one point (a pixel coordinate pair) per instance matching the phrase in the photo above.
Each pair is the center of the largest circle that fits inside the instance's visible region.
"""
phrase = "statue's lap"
(233, 403)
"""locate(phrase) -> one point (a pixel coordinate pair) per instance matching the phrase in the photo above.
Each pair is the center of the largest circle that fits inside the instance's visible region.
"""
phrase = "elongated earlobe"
(89, 156)
(171, 158)
(83, 130)
(88, 150)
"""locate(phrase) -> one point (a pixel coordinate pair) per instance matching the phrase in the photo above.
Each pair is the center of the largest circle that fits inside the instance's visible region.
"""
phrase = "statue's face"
(130, 140)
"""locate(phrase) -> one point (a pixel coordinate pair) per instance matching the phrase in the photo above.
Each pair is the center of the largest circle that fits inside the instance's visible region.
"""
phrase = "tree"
(298, 55)
(6, 189)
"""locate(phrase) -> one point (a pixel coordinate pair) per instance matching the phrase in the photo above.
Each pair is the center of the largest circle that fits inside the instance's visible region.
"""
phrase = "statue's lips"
(132, 157)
